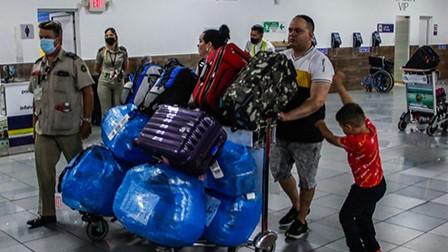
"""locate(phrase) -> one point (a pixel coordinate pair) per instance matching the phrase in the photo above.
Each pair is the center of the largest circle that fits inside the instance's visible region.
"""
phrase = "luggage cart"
(426, 105)
(265, 240)
(97, 226)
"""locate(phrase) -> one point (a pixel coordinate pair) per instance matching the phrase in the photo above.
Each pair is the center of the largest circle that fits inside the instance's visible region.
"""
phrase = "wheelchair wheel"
(383, 81)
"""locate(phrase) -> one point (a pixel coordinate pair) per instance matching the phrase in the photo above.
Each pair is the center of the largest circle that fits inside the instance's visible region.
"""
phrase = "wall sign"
(27, 31)
(436, 29)
(403, 5)
(274, 26)
(97, 5)
(364, 49)
(323, 50)
(385, 28)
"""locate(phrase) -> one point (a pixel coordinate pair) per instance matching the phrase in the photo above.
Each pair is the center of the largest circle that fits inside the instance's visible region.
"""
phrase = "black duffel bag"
(424, 58)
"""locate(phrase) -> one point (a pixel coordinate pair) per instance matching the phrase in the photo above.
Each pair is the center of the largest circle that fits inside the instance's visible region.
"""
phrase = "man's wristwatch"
(87, 120)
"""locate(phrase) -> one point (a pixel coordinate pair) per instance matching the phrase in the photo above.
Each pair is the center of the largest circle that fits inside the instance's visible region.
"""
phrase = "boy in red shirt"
(361, 144)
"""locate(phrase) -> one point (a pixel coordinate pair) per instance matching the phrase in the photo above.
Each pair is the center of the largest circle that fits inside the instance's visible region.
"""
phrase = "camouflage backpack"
(260, 91)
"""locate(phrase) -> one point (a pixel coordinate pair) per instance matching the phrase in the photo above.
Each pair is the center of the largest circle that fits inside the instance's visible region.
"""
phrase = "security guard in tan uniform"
(63, 102)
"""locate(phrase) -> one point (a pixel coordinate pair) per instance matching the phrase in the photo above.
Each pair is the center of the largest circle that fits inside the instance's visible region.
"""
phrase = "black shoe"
(288, 218)
(297, 229)
(41, 221)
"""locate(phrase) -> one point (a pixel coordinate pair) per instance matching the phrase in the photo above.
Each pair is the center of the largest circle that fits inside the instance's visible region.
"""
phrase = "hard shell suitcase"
(222, 66)
(190, 140)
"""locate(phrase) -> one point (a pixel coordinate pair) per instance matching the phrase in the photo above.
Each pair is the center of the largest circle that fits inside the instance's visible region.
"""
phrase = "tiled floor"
(413, 216)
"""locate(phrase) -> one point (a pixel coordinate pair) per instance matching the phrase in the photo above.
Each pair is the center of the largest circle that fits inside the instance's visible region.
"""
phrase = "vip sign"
(404, 4)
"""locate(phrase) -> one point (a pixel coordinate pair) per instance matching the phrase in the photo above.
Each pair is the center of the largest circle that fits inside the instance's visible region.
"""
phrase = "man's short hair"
(258, 28)
(53, 26)
(309, 21)
(350, 113)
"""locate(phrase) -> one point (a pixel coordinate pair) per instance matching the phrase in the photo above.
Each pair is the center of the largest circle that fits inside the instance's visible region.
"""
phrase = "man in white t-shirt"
(298, 141)
(257, 43)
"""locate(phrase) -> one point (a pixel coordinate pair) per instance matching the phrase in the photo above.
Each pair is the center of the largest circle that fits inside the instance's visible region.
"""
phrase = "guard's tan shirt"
(57, 93)
(111, 63)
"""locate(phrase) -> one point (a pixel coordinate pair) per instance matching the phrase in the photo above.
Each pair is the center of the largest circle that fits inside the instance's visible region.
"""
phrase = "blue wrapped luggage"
(161, 204)
(119, 128)
(231, 220)
(90, 181)
(235, 172)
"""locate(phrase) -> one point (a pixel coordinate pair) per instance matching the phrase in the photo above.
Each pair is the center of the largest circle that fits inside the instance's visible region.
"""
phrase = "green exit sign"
(274, 26)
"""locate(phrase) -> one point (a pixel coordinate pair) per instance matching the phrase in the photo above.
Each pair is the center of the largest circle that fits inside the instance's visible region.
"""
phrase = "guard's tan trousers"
(47, 153)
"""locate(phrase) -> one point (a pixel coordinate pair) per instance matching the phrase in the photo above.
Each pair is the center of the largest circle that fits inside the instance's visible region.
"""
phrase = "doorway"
(424, 30)
(69, 23)
(401, 55)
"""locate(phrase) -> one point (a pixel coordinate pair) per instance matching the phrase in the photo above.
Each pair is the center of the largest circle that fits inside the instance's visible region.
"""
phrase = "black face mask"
(110, 41)
(255, 41)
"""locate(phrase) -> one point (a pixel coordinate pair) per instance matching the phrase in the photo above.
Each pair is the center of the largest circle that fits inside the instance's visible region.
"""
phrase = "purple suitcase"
(189, 139)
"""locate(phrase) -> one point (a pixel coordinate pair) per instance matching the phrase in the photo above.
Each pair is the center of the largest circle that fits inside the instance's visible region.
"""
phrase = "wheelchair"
(380, 75)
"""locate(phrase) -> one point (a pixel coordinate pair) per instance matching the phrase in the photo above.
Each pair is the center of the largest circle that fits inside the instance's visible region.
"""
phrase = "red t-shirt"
(364, 156)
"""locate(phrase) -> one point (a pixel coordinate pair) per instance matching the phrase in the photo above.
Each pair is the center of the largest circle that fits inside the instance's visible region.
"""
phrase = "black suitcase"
(189, 139)
(424, 58)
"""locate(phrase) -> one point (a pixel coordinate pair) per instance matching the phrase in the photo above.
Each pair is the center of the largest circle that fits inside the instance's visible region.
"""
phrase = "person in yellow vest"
(61, 85)
(257, 43)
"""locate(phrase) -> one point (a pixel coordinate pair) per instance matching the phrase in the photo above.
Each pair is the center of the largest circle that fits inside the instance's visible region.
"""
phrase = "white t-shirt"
(312, 66)
(254, 49)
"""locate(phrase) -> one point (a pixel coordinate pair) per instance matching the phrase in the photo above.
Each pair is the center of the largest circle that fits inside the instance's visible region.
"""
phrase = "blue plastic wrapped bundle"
(231, 220)
(236, 173)
(90, 181)
(120, 126)
(161, 204)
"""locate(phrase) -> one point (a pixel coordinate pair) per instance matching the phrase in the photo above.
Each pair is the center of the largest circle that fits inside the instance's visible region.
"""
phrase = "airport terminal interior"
(370, 42)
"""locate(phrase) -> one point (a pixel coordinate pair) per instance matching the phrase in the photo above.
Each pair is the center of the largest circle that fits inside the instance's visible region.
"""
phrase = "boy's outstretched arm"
(327, 134)
(338, 82)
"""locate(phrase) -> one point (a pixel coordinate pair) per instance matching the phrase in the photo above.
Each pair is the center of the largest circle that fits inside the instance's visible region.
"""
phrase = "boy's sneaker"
(297, 229)
(289, 218)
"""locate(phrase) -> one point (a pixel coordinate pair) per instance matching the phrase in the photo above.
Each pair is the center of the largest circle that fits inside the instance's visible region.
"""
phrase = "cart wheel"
(268, 249)
(430, 130)
(445, 126)
(383, 81)
(402, 124)
(265, 242)
(97, 230)
(432, 126)
(164, 249)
